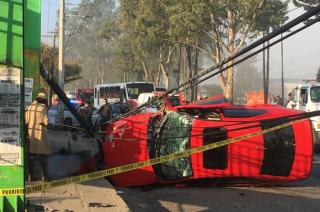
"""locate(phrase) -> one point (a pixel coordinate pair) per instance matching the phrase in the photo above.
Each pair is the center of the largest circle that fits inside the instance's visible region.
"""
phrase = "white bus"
(126, 92)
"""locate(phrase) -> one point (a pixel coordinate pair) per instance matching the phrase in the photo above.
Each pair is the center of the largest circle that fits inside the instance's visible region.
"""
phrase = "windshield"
(315, 94)
(175, 137)
(134, 89)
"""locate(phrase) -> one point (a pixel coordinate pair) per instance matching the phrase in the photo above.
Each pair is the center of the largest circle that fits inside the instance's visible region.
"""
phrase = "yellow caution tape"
(12, 192)
(129, 167)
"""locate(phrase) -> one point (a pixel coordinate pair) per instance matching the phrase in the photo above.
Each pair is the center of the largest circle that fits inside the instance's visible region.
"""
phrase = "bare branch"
(244, 37)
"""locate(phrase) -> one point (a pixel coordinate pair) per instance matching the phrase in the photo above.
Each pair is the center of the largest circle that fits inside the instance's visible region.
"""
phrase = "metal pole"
(53, 45)
(66, 101)
(264, 74)
(61, 57)
(282, 79)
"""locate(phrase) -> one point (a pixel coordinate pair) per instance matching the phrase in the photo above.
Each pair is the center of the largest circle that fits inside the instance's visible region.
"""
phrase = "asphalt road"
(298, 196)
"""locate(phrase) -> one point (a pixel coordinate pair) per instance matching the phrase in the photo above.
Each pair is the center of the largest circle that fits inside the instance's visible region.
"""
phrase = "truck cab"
(306, 97)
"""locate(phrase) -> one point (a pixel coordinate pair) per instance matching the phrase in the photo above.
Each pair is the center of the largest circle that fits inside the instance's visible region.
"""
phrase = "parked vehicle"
(85, 94)
(121, 92)
(273, 157)
(306, 97)
(69, 119)
(170, 101)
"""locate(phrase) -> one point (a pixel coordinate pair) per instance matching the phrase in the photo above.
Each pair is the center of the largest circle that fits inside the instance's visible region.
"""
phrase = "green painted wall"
(11, 31)
(11, 55)
(32, 29)
(19, 48)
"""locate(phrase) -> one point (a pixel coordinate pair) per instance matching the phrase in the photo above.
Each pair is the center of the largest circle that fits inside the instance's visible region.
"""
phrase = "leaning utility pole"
(61, 57)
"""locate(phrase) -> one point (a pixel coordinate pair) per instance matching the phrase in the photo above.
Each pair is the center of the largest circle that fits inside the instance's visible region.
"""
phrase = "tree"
(185, 23)
(72, 69)
(226, 27)
(86, 41)
(145, 23)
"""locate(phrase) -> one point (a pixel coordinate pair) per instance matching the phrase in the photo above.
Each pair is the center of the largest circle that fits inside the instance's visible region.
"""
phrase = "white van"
(306, 97)
(145, 97)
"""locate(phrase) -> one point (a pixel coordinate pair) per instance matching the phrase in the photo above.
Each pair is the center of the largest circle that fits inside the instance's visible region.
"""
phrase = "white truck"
(306, 97)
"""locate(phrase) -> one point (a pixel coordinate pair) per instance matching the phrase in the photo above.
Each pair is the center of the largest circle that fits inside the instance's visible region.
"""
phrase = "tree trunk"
(165, 75)
(229, 88)
(179, 66)
(189, 60)
(231, 37)
(98, 70)
(195, 92)
(97, 60)
(158, 75)
(146, 75)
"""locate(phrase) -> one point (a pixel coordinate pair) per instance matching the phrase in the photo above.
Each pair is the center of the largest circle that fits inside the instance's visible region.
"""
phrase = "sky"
(301, 51)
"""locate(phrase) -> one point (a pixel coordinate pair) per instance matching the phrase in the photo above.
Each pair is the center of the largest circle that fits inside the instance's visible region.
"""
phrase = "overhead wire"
(310, 23)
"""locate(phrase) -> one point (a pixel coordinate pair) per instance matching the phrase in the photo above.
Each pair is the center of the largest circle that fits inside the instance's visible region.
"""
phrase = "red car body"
(280, 156)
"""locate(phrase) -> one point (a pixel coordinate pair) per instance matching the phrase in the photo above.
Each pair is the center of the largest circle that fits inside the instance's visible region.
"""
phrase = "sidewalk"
(96, 195)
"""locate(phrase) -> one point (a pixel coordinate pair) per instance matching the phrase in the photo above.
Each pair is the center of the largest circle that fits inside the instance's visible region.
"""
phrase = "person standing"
(105, 112)
(37, 146)
(88, 111)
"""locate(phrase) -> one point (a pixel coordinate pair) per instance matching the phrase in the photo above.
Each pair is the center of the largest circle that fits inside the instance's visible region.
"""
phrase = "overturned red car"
(279, 156)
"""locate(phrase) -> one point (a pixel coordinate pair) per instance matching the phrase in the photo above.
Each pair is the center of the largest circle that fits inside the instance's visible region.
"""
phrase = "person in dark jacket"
(105, 112)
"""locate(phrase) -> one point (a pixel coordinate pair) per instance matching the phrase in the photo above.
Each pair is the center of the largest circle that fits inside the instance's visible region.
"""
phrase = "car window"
(213, 101)
(242, 113)
(215, 158)
(119, 109)
(115, 109)
(175, 137)
(279, 150)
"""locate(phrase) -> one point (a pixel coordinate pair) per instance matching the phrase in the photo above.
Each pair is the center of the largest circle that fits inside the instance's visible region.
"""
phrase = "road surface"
(298, 196)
